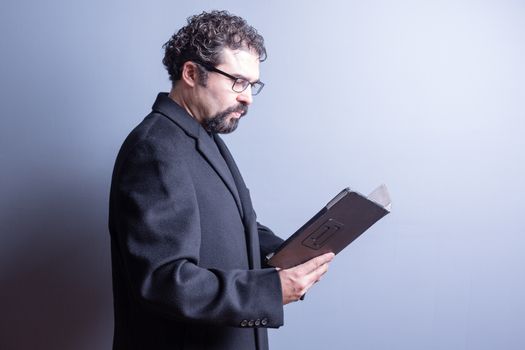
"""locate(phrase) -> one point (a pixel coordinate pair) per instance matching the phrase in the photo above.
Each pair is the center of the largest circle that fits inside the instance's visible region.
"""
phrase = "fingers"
(315, 275)
(313, 264)
(297, 280)
(312, 270)
(310, 279)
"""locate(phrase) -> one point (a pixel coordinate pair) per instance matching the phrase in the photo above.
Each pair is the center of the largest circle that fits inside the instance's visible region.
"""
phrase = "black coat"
(186, 246)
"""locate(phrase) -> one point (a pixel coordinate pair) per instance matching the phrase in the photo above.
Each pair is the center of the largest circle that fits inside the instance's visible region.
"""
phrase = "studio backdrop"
(427, 97)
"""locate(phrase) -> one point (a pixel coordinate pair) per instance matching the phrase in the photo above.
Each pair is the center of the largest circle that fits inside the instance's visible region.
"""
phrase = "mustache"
(240, 108)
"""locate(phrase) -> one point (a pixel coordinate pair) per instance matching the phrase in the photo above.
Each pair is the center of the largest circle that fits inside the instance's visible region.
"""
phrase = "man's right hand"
(296, 281)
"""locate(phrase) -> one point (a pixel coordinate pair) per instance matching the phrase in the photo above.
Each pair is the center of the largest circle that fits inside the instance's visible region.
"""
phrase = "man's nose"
(245, 97)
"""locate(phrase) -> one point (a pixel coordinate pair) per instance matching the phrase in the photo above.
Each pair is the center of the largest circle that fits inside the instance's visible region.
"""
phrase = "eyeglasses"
(239, 84)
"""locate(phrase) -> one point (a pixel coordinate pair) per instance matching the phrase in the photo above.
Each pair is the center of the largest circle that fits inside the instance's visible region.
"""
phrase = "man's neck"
(177, 95)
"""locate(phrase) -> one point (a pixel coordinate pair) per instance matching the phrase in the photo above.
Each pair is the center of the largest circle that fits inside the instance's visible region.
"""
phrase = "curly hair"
(204, 38)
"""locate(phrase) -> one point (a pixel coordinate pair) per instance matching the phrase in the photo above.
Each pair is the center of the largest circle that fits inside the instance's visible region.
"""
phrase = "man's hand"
(297, 280)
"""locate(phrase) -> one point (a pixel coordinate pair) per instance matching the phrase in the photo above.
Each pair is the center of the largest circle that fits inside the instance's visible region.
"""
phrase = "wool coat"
(185, 243)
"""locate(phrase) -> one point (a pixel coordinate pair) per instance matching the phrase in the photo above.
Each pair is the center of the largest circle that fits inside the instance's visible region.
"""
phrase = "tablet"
(334, 227)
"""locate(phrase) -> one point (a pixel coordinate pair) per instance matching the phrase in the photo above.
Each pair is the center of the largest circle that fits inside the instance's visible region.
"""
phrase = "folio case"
(340, 222)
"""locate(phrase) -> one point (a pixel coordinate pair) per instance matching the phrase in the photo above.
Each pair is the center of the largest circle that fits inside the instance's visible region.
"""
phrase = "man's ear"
(190, 73)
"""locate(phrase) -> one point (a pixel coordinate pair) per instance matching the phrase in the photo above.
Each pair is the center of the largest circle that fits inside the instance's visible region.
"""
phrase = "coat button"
(257, 322)
(264, 321)
(251, 323)
(244, 323)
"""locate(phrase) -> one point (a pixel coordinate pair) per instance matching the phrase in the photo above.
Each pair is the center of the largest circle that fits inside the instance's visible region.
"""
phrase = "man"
(187, 251)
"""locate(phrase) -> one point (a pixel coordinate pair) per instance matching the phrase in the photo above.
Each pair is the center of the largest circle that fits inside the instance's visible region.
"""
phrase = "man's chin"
(225, 126)
(232, 125)
(225, 122)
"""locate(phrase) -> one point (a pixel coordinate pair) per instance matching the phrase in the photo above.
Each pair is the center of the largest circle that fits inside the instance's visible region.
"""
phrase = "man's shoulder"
(157, 128)
(157, 134)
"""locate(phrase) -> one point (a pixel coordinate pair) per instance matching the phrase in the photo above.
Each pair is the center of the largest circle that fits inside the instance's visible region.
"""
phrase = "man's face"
(219, 107)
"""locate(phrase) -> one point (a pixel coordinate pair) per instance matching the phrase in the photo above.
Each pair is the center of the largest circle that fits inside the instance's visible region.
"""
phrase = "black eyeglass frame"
(256, 86)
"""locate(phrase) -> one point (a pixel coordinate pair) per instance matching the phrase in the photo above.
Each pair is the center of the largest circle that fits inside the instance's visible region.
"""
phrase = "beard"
(220, 124)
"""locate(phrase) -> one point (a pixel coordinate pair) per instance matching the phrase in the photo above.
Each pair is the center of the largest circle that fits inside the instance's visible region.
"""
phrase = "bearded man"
(187, 250)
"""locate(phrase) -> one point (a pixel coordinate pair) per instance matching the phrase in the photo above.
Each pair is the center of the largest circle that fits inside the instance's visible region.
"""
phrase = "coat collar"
(169, 108)
(205, 143)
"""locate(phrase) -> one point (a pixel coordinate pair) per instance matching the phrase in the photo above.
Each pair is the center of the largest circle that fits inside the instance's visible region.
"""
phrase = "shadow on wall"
(55, 273)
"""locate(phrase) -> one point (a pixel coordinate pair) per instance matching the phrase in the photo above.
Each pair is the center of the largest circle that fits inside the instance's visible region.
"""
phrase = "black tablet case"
(340, 222)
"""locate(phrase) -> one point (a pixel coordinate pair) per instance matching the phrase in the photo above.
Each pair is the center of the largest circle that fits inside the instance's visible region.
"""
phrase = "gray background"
(425, 96)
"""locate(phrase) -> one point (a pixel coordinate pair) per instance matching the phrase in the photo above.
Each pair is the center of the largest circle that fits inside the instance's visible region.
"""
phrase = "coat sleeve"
(269, 242)
(157, 227)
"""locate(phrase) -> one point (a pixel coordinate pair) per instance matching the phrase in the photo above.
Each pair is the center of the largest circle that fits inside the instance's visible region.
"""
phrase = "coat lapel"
(205, 144)
(211, 152)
